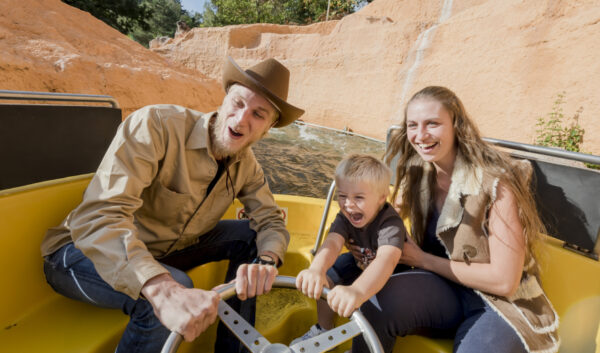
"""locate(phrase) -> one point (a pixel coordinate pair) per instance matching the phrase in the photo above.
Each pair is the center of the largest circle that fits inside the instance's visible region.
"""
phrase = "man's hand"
(311, 282)
(344, 300)
(187, 311)
(254, 279)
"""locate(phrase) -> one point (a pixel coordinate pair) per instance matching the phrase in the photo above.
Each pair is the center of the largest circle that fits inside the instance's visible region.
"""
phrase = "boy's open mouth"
(355, 217)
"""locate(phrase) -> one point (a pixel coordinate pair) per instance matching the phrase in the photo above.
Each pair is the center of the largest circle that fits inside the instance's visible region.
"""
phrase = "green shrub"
(555, 130)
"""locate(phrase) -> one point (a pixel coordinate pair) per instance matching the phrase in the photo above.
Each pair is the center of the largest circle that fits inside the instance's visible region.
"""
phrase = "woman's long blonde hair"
(476, 153)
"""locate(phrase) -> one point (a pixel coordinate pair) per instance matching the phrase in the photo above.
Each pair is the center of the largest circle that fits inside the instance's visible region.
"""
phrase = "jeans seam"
(79, 286)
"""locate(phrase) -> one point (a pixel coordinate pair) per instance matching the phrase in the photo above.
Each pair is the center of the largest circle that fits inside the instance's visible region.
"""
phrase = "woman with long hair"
(471, 270)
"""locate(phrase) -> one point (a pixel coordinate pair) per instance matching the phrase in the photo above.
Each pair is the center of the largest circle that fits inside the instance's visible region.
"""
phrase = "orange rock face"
(49, 46)
(507, 60)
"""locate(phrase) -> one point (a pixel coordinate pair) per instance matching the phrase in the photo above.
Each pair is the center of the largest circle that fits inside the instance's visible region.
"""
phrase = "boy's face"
(359, 201)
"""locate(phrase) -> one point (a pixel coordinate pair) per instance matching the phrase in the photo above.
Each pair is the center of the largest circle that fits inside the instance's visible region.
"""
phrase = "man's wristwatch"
(264, 260)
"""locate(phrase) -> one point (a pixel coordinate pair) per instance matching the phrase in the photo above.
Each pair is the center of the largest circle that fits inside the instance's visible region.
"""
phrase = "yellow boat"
(36, 319)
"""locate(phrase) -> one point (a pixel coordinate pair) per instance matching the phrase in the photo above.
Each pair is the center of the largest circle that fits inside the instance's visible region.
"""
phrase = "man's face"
(244, 117)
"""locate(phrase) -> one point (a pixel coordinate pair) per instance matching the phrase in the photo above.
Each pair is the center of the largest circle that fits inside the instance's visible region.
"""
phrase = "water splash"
(301, 159)
(422, 44)
(307, 134)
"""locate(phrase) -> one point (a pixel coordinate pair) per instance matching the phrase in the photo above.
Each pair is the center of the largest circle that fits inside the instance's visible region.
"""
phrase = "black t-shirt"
(386, 229)
(431, 243)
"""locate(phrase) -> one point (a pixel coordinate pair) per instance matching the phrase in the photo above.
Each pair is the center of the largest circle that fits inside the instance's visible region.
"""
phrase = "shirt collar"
(199, 137)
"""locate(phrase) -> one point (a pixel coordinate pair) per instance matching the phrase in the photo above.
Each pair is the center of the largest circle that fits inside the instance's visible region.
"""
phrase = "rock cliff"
(507, 60)
(48, 46)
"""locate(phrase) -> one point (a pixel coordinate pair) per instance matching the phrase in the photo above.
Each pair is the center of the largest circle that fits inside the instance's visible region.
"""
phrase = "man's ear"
(277, 116)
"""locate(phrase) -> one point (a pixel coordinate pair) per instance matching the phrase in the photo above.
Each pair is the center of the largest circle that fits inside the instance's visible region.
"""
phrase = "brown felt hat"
(268, 78)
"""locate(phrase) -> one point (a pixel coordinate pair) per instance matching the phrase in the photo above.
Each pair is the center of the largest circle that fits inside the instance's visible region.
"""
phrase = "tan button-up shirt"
(148, 198)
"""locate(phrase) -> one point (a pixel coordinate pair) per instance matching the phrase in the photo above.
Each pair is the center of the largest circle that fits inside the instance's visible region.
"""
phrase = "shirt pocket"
(166, 207)
(220, 203)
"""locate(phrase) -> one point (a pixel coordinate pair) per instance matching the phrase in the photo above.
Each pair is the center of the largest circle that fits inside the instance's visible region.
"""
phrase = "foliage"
(555, 131)
(229, 12)
(142, 20)
(194, 19)
(164, 15)
(122, 15)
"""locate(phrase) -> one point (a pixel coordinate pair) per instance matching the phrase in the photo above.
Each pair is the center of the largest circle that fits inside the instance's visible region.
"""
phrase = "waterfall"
(421, 44)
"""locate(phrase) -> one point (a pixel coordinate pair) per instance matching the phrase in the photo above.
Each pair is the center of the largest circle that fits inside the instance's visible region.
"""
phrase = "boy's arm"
(328, 252)
(312, 280)
(345, 299)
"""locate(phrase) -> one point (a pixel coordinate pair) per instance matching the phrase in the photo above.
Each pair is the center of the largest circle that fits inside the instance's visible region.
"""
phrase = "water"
(301, 160)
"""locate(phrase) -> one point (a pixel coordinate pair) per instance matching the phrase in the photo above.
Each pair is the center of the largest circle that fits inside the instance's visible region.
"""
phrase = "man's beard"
(218, 146)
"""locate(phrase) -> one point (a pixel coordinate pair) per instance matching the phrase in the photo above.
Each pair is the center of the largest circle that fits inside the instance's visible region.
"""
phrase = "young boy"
(366, 222)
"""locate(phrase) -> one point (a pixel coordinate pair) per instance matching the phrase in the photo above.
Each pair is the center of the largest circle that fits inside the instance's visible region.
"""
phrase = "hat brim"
(232, 73)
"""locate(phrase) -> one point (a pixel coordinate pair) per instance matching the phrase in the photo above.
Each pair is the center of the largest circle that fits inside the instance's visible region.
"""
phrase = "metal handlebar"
(324, 218)
(357, 325)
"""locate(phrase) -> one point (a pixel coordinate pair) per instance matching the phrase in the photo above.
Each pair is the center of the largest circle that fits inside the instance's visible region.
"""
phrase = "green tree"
(228, 12)
(142, 20)
(192, 19)
(162, 21)
(122, 15)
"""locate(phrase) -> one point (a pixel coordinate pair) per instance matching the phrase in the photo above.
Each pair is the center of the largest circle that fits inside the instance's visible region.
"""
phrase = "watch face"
(266, 260)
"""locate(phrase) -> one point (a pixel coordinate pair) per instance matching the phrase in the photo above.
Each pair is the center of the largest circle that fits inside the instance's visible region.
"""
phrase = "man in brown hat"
(153, 210)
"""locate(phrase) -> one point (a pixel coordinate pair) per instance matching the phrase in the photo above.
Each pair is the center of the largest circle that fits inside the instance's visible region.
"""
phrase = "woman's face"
(430, 131)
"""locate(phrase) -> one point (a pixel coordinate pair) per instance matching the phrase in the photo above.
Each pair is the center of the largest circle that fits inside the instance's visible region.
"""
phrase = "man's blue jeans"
(73, 275)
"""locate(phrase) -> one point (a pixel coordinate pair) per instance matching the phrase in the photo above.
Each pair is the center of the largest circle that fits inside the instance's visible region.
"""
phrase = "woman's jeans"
(73, 275)
(421, 302)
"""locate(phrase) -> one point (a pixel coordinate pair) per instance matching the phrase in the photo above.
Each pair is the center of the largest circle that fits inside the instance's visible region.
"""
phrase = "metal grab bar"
(548, 151)
(358, 325)
(63, 97)
(324, 218)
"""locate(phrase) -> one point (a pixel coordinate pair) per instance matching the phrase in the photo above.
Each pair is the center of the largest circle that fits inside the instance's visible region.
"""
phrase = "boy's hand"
(344, 300)
(311, 283)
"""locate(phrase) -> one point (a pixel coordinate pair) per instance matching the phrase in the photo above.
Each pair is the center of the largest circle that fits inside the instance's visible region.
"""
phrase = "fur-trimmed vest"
(462, 229)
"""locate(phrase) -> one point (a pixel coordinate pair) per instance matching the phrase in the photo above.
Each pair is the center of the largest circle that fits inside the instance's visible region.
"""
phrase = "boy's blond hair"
(363, 167)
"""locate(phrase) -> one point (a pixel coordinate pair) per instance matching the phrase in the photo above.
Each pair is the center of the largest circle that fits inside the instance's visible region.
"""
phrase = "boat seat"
(35, 318)
(45, 142)
(42, 142)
